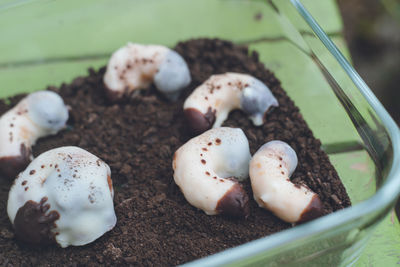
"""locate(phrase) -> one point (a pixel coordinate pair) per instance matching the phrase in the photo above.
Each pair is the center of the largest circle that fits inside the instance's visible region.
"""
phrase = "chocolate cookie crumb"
(171, 231)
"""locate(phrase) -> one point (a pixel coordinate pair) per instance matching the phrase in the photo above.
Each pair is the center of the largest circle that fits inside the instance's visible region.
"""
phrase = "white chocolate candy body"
(225, 92)
(202, 165)
(270, 169)
(77, 185)
(39, 114)
(136, 66)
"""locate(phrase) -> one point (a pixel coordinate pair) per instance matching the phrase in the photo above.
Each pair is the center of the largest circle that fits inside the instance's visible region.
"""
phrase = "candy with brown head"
(39, 114)
(270, 169)
(136, 66)
(210, 104)
(65, 197)
(208, 169)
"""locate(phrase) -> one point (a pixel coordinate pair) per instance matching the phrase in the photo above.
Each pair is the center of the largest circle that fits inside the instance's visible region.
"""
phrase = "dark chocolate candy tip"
(234, 203)
(268, 111)
(33, 226)
(199, 122)
(10, 167)
(312, 211)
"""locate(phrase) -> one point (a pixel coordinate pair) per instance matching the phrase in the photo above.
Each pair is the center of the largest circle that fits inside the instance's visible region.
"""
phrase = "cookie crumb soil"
(137, 138)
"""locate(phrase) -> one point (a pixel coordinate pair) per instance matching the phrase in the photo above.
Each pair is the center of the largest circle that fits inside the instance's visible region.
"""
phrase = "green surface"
(383, 248)
(359, 172)
(29, 66)
(309, 89)
(60, 51)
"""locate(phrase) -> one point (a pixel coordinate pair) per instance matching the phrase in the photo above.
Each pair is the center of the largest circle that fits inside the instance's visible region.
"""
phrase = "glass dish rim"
(383, 198)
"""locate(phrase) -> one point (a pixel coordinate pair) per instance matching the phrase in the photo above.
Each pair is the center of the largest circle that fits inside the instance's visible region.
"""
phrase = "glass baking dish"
(49, 42)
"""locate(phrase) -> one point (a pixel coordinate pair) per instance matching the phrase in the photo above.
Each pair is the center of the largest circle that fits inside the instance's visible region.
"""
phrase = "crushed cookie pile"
(137, 139)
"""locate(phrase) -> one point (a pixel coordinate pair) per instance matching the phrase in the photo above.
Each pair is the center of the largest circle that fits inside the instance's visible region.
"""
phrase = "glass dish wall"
(50, 42)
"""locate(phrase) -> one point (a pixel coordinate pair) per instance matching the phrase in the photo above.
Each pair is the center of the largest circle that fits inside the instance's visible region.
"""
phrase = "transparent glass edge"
(383, 198)
(391, 187)
(310, 229)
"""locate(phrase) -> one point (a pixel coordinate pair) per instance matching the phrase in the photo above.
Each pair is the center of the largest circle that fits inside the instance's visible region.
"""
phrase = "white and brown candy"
(210, 104)
(270, 169)
(136, 66)
(37, 115)
(208, 167)
(64, 197)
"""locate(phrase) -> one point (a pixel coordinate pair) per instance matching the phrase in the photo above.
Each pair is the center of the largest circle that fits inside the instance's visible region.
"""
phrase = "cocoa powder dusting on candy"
(166, 231)
(109, 181)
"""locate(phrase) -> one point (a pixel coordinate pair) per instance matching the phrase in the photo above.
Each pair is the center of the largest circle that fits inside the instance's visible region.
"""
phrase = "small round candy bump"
(256, 101)
(47, 110)
(172, 76)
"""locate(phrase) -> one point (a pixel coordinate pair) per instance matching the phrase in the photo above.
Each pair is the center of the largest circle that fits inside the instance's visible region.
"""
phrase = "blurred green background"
(372, 32)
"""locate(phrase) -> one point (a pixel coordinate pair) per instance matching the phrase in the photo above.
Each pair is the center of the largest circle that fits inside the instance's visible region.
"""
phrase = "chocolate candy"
(64, 196)
(37, 115)
(209, 104)
(207, 170)
(136, 66)
(270, 169)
